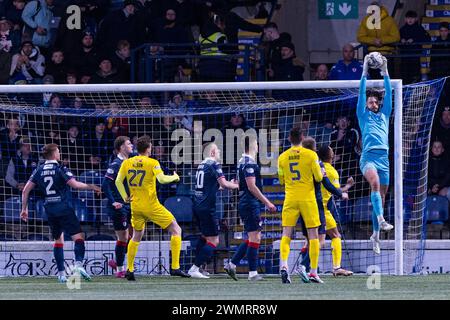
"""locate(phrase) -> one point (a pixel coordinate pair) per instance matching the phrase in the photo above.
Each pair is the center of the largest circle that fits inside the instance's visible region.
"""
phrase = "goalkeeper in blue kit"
(373, 114)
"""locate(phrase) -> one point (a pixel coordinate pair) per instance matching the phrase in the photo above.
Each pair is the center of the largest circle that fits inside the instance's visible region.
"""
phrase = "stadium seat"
(363, 210)
(7, 237)
(90, 177)
(40, 211)
(181, 208)
(12, 208)
(36, 237)
(81, 210)
(437, 209)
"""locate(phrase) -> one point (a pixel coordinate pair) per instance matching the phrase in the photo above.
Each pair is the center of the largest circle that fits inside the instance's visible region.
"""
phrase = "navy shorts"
(251, 216)
(208, 222)
(121, 218)
(67, 223)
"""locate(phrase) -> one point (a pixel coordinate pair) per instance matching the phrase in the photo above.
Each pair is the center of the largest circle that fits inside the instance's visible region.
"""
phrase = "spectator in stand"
(178, 105)
(10, 139)
(290, 67)
(439, 171)
(38, 19)
(57, 67)
(381, 40)
(441, 128)
(273, 41)
(212, 42)
(85, 60)
(321, 72)
(9, 38)
(72, 150)
(440, 66)
(106, 73)
(411, 33)
(28, 64)
(118, 25)
(5, 66)
(46, 96)
(99, 144)
(21, 166)
(348, 68)
(237, 121)
(14, 14)
(164, 131)
(122, 61)
(71, 77)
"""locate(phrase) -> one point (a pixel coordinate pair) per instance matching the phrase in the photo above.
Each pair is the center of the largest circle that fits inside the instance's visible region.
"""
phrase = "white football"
(375, 60)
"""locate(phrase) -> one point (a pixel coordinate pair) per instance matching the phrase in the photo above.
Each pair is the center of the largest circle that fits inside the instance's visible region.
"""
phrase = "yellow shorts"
(330, 221)
(292, 210)
(158, 215)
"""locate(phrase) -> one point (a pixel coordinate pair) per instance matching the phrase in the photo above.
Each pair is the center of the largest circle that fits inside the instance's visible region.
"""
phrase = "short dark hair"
(443, 24)
(324, 153)
(48, 150)
(309, 143)
(374, 93)
(411, 14)
(296, 135)
(270, 25)
(143, 143)
(120, 140)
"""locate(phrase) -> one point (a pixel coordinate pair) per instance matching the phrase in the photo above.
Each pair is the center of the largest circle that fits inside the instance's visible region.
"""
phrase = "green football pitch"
(219, 287)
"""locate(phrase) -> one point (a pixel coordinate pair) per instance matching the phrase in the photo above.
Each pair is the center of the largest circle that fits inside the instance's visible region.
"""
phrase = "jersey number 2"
(136, 173)
(294, 171)
(48, 188)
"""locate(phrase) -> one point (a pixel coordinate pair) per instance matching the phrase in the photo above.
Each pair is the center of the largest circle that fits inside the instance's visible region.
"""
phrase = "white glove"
(384, 68)
(366, 66)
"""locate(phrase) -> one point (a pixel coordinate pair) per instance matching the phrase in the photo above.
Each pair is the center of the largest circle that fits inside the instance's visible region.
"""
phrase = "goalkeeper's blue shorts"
(377, 160)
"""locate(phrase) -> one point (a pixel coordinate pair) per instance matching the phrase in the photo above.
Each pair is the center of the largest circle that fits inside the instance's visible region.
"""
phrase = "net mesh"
(86, 124)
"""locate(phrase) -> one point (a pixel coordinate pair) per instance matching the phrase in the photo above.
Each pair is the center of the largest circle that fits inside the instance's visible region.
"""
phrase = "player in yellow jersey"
(326, 155)
(298, 169)
(141, 173)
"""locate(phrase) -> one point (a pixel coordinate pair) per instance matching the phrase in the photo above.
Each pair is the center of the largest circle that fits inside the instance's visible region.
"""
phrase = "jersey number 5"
(135, 174)
(294, 171)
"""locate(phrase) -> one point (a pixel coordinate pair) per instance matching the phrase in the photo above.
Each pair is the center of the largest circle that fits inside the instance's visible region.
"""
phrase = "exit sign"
(338, 9)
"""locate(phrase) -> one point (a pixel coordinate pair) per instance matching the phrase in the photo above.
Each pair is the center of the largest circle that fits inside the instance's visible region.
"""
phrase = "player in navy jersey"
(209, 178)
(119, 211)
(250, 198)
(54, 181)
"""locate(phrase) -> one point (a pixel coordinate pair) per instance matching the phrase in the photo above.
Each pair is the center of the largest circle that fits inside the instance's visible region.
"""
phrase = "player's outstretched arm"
(361, 106)
(387, 101)
(350, 183)
(165, 179)
(228, 184)
(253, 188)
(73, 183)
(331, 188)
(25, 195)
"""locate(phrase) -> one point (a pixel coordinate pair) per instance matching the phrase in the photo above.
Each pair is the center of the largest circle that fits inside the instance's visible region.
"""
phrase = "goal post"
(265, 105)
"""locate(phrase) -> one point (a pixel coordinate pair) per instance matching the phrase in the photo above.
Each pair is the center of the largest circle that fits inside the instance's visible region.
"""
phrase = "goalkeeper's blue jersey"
(374, 126)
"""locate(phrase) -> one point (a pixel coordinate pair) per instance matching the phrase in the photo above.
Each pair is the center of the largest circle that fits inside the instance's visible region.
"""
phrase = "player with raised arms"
(141, 173)
(298, 169)
(250, 199)
(373, 117)
(209, 178)
(117, 209)
(54, 180)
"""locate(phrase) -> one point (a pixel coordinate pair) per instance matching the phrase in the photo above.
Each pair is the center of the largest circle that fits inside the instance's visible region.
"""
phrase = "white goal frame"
(397, 85)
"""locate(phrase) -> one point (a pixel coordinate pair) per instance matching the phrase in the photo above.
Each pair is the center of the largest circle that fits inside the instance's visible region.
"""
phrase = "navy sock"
(305, 259)
(121, 249)
(240, 253)
(79, 250)
(58, 252)
(204, 254)
(252, 255)
(200, 243)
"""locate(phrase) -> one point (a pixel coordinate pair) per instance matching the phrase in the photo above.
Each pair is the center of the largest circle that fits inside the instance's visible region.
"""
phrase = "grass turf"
(407, 287)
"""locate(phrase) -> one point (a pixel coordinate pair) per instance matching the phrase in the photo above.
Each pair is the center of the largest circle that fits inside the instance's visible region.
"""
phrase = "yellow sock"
(175, 247)
(314, 251)
(336, 244)
(285, 248)
(131, 254)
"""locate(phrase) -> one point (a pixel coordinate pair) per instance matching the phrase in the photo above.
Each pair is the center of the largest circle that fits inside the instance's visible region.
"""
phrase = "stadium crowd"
(37, 46)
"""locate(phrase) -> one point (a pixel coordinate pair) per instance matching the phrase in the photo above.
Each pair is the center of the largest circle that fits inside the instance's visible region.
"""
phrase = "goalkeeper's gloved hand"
(366, 66)
(384, 68)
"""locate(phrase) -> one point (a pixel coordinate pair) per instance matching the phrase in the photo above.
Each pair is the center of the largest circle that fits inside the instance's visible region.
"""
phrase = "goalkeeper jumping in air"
(373, 117)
